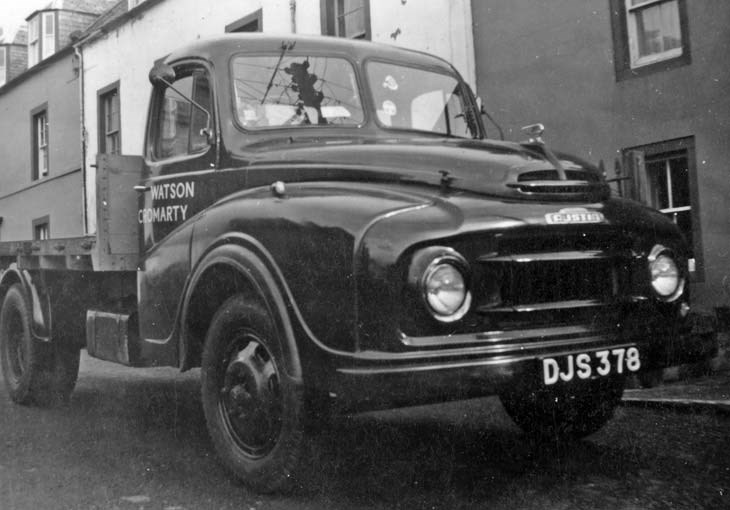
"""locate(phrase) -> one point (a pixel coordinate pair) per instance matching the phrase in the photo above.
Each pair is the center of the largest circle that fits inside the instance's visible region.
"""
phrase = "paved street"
(133, 439)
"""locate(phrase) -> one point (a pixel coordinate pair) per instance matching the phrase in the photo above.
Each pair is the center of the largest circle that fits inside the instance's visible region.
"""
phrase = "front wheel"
(254, 411)
(559, 413)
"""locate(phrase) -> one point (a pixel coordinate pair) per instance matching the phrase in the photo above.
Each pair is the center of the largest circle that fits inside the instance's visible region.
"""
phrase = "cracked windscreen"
(420, 100)
(283, 91)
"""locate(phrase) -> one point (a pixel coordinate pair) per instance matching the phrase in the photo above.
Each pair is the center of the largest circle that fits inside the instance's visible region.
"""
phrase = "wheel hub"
(250, 397)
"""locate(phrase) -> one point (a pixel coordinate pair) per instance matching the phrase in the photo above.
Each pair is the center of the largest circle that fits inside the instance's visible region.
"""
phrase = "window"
(40, 143)
(667, 184)
(649, 35)
(109, 121)
(33, 41)
(346, 18)
(48, 45)
(416, 99)
(291, 91)
(181, 125)
(251, 23)
(3, 66)
(41, 228)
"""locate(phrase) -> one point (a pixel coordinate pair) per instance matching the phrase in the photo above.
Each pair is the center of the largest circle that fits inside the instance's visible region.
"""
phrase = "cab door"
(181, 154)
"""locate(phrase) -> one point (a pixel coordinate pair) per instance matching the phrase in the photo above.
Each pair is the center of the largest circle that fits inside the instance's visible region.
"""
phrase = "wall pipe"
(82, 108)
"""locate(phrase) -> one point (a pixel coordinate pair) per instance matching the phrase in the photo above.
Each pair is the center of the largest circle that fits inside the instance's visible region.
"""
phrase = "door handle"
(141, 189)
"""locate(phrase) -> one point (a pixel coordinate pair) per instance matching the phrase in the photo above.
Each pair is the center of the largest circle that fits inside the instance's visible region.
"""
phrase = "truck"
(324, 226)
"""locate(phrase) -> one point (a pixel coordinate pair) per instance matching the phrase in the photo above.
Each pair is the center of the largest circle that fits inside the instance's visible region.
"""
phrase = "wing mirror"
(162, 73)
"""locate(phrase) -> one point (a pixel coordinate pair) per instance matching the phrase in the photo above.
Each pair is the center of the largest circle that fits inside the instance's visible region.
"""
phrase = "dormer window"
(41, 37)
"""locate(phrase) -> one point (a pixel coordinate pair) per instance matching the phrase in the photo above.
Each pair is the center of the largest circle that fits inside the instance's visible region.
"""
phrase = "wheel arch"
(228, 269)
(35, 294)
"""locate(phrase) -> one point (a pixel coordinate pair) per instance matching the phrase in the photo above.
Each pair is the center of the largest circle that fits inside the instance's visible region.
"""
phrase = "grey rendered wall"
(60, 194)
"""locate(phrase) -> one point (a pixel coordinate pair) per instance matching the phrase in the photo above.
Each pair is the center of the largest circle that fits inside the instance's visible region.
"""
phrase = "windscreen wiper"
(285, 46)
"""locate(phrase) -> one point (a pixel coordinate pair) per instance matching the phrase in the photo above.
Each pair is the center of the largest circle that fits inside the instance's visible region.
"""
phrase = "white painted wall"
(441, 27)
(126, 54)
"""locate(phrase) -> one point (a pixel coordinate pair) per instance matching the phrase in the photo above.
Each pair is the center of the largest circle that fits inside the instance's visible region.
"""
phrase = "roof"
(116, 16)
(114, 12)
(220, 47)
(87, 6)
(18, 35)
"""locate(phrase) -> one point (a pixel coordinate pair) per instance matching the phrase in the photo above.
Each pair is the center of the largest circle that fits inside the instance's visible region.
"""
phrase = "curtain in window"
(658, 28)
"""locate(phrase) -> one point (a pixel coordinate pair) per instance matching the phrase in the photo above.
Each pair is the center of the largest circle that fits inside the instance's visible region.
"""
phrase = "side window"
(649, 36)
(179, 124)
(41, 229)
(39, 138)
(663, 175)
(346, 18)
(109, 121)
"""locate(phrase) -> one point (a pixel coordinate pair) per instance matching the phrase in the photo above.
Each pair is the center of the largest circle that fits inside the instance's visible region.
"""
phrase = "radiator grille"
(539, 282)
(541, 273)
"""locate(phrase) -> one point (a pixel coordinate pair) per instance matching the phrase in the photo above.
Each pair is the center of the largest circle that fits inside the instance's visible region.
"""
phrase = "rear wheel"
(559, 413)
(35, 372)
(254, 411)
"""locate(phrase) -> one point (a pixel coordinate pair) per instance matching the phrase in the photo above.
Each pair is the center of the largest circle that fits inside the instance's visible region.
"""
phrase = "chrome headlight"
(666, 278)
(444, 287)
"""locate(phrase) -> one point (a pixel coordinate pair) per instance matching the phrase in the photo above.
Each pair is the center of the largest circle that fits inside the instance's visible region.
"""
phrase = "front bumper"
(482, 364)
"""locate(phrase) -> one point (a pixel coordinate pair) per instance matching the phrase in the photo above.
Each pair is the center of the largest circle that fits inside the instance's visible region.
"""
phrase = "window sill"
(657, 66)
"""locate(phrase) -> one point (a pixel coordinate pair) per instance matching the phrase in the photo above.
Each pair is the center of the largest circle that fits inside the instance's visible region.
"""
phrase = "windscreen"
(419, 99)
(286, 90)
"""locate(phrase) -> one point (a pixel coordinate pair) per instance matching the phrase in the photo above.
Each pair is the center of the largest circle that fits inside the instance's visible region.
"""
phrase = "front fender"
(250, 270)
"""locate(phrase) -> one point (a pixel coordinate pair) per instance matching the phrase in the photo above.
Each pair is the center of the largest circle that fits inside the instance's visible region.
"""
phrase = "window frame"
(40, 151)
(34, 44)
(655, 151)
(330, 22)
(256, 16)
(38, 225)
(3, 65)
(183, 70)
(48, 49)
(623, 39)
(103, 95)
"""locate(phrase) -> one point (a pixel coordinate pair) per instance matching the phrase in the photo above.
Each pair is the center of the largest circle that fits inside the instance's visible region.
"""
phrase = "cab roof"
(221, 47)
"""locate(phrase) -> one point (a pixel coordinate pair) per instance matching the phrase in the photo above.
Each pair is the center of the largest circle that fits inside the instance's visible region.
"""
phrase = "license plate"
(590, 364)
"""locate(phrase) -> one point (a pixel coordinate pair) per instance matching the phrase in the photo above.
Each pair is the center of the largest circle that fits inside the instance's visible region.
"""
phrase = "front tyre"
(254, 411)
(563, 412)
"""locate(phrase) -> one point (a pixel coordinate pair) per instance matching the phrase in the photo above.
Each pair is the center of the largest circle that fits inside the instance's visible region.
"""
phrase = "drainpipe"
(293, 13)
(80, 56)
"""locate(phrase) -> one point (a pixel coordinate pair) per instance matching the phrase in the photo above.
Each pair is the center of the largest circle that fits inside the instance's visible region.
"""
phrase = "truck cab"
(324, 225)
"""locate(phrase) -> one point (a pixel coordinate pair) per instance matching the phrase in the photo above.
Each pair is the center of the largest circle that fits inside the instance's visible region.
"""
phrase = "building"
(638, 84)
(41, 186)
